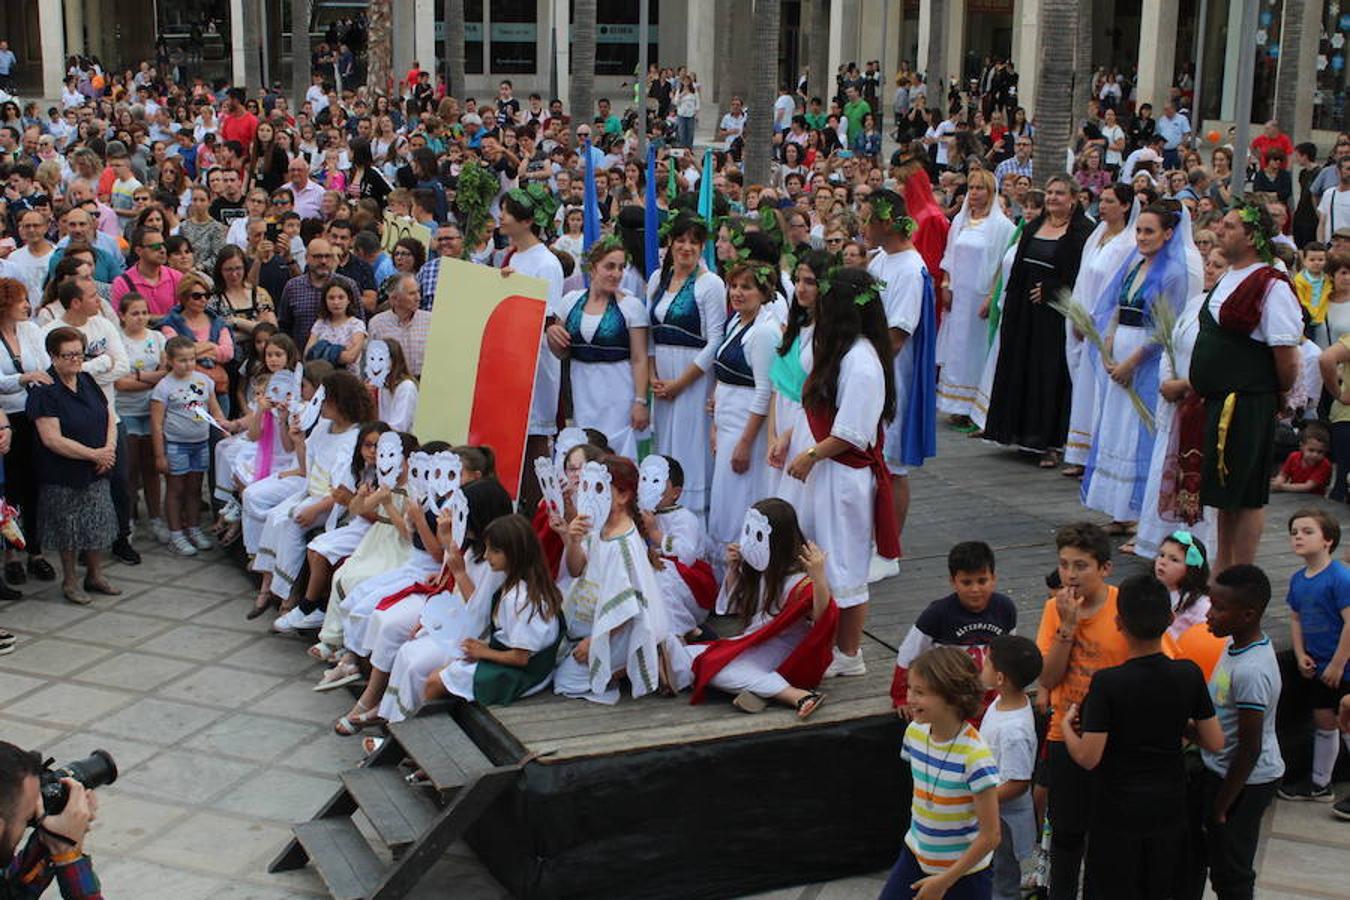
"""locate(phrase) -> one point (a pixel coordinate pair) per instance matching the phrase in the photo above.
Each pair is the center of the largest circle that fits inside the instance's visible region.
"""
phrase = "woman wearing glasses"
(214, 343)
(77, 429)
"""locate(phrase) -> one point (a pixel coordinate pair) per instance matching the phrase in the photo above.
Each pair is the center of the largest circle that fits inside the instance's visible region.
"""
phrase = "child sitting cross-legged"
(1009, 729)
(969, 617)
(687, 582)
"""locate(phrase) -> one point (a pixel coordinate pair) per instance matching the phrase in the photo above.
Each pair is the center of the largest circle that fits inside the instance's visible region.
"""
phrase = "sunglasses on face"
(198, 295)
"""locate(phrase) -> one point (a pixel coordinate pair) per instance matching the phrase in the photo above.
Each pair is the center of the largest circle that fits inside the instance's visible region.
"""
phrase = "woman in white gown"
(1155, 523)
(688, 307)
(1106, 249)
(741, 402)
(1122, 445)
(789, 434)
(975, 247)
(604, 333)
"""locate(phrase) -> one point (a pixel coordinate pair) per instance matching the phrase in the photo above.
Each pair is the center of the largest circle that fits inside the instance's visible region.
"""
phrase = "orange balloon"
(1213, 137)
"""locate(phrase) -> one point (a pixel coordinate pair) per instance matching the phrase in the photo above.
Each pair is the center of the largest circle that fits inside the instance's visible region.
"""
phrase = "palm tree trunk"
(1286, 75)
(1082, 53)
(582, 101)
(744, 55)
(454, 48)
(758, 146)
(722, 53)
(818, 47)
(300, 61)
(935, 66)
(1054, 95)
(379, 47)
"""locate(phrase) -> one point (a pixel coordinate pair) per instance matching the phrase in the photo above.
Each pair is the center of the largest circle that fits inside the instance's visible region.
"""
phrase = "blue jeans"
(975, 886)
(187, 458)
(684, 130)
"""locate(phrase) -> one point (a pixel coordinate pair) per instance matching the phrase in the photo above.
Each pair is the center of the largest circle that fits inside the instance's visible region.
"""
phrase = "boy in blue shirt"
(1319, 596)
(1240, 779)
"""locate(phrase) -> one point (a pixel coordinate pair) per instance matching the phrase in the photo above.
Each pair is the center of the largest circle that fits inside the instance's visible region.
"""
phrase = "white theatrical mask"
(459, 517)
(377, 363)
(388, 459)
(418, 463)
(309, 413)
(442, 478)
(283, 388)
(549, 485)
(755, 540)
(567, 440)
(594, 493)
(653, 476)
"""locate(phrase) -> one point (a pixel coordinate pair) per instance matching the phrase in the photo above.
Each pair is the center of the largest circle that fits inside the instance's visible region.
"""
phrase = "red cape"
(931, 237)
(805, 665)
(700, 580)
(886, 530)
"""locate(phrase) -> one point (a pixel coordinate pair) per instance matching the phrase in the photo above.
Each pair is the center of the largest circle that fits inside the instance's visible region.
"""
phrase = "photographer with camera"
(59, 808)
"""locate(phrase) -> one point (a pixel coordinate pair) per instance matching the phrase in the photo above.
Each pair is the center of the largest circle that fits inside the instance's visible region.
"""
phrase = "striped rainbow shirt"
(947, 776)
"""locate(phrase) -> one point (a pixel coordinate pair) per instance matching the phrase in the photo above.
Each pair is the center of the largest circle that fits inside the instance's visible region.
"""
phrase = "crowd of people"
(206, 295)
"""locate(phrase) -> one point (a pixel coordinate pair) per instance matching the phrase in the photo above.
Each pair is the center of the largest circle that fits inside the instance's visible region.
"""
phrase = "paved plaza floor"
(222, 744)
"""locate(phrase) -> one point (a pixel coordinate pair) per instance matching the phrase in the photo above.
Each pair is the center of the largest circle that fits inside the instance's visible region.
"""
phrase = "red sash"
(885, 528)
(553, 544)
(805, 665)
(418, 587)
(699, 579)
(1241, 312)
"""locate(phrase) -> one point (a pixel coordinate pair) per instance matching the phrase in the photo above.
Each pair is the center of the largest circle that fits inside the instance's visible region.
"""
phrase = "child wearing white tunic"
(616, 622)
(970, 264)
(237, 456)
(903, 275)
(741, 404)
(523, 630)
(688, 319)
(398, 405)
(777, 584)
(605, 335)
(687, 583)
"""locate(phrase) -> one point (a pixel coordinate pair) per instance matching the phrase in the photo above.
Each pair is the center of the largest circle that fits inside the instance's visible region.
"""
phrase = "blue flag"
(705, 209)
(651, 218)
(590, 232)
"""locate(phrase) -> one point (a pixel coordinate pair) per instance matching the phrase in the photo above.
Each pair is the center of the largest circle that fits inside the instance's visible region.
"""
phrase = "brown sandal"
(809, 704)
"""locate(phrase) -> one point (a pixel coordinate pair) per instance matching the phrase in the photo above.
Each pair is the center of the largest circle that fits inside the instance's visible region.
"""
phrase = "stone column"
(543, 50)
(1228, 109)
(562, 48)
(424, 34)
(401, 37)
(75, 26)
(700, 57)
(1027, 51)
(1307, 70)
(955, 34)
(52, 37)
(1157, 51)
(93, 17)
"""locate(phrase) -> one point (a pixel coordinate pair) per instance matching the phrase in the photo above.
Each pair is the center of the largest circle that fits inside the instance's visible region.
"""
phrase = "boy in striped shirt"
(953, 825)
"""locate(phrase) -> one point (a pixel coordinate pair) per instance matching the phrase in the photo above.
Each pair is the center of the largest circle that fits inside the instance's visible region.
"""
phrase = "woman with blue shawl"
(1157, 272)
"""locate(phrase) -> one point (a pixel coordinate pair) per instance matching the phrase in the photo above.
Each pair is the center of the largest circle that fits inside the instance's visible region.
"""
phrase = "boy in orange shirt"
(1078, 636)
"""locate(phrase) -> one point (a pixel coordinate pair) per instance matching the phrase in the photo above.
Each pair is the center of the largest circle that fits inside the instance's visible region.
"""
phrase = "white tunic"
(683, 539)
(398, 407)
(516, 626)
(790, 417)
(755, 669)
(1099, 265)
(840, 498)
(539, 262)
(903, 298)
(974, 250)
(680, 426)
(979, 410)
(732, 492)
(603, 392)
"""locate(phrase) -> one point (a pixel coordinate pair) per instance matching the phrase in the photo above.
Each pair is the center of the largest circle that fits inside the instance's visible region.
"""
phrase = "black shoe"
(40, 569)
(8, 593)
(123, 550)
(14, 572)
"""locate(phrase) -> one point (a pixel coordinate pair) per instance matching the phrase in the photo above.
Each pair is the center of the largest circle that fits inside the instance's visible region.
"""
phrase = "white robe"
(539, 262)
(680, 426)
(682, 539)
(755, 669)
(515, 626)
(398, 407)
(732, 492)
(974, 250)
(902, 274)
(790, 417)
(603, 392)
(979, 409)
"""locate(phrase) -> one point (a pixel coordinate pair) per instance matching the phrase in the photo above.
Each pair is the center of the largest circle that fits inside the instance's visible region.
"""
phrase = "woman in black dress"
(1029, 405)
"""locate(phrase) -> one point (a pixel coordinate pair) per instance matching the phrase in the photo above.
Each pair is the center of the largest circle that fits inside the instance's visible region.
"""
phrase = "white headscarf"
(998, 230)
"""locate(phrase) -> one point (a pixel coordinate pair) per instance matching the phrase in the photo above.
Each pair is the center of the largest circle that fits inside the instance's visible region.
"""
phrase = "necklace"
(933, 772)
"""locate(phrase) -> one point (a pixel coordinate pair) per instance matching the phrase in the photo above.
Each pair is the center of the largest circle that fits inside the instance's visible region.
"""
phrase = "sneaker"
(846, 666)
(1306, 790)
(160, 530)
(880, 568)
(199, 538)
(1039, 876)
(182, 546)
(1342, 808)
(123, 550)
(231, 511)
(295, 620)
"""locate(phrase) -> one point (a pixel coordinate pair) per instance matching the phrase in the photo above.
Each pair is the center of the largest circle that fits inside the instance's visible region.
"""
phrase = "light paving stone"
(260, 738)
(52, 656)
(863, 888)
(130, 877)
(231, 614)
(169, 603)
(281, 796)
(125, 822)
(470, 878)
(1310, 821)
(275, 655)
(1300, 866)
(297, 699)
(220, 686)
(79, 744)
(184, 777)
(44, 616)
(327, 754)
(163, 722)
(117, 628)
(218, 843)
(13, 686)
(134, 671)
(26, 734)
(197, 642)
(70, 705)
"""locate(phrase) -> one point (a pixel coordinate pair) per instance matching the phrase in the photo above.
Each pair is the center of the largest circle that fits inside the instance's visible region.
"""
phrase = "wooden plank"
(448, 756)
(400, 812)
(346, 862)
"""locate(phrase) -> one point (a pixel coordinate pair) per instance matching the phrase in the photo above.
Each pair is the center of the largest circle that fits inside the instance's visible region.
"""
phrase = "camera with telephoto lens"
(94, 771)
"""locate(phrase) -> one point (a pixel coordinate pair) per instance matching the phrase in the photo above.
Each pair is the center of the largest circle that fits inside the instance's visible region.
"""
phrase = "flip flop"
(809, 704)
(322, 652)
(340, 675)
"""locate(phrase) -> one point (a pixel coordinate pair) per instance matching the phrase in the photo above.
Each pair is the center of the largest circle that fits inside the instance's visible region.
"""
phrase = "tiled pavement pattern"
(222, 744)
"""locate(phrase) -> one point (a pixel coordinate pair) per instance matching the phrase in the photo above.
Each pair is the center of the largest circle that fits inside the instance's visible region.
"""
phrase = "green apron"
(1236, 376)
(497, 685)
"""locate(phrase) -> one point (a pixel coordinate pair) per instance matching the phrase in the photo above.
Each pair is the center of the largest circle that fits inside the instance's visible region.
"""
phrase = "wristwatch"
(642, 400)
(811, 452)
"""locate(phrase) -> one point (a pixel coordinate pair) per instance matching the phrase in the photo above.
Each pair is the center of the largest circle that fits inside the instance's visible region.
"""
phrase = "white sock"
(1325, 747)
(174, 535)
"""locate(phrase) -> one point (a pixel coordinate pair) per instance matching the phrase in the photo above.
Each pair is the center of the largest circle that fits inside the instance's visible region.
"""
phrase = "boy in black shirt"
(1133, 721)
